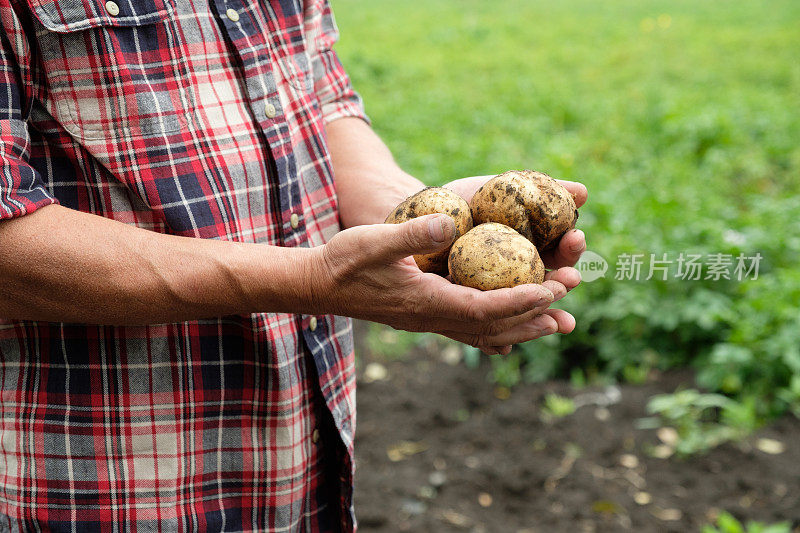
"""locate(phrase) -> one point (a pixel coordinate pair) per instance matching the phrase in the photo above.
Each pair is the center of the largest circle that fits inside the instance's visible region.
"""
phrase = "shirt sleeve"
(22, 189)
(332, 85)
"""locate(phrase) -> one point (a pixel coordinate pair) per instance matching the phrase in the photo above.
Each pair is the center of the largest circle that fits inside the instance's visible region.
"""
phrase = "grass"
(642, 98)
(683, 119)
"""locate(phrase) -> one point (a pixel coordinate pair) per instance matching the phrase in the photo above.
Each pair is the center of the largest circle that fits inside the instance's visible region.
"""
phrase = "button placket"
(262, 92)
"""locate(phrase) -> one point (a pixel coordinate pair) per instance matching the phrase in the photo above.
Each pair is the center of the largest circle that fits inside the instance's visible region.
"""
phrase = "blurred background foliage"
(681, 117)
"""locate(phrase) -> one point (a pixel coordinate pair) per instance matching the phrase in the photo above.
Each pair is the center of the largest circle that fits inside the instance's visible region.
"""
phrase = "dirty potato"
(427, 202)
(532, 203)
(493, 256)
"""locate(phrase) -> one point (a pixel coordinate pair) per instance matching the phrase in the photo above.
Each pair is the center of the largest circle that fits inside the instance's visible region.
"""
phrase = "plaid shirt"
(195, 118)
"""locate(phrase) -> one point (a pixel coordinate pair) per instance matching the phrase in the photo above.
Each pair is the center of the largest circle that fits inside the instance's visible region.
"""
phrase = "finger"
(565, 321)
(466, 187)
(565, 324)
(497, 350)
(498, 326)
(540, 326)
(464, 304)
(567, 277)
(578, 191)
(392, 242)
(568, 250)
(475, 321)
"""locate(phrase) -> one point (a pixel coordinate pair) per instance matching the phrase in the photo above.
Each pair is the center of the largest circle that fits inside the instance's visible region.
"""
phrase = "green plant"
(390, 343)
(505, 370)
(702, 421)
(727, 523)
(556, 406)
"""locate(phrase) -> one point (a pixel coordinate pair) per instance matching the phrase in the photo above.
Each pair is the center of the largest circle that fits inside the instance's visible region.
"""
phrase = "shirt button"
(315, 436)
(270, 110)
(112, 8)
(312, 324)
(294, 220)
(232, 14)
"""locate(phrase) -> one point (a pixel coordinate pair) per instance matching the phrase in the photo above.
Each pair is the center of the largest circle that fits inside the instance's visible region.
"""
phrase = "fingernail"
(436, 229)
(545, 300)
(580, 245)
(440, 228)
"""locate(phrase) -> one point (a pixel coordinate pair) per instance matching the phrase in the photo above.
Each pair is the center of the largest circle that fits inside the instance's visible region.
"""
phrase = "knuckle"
(518, 301)
(558, 289)
(474, 312)
(477, 340)
(491, 329)
(408, 237)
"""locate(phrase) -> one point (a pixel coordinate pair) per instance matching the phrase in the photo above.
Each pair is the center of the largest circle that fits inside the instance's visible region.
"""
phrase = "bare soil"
(440, 449)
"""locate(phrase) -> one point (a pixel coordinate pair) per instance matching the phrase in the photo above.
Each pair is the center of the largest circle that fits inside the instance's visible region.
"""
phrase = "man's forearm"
(62, 265)
(369, 184)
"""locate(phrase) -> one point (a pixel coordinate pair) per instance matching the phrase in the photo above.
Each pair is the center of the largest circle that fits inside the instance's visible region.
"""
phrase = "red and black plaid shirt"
(195, 118)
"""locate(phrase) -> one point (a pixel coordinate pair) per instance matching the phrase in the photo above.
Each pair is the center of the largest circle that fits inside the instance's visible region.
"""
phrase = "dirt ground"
(440, 449)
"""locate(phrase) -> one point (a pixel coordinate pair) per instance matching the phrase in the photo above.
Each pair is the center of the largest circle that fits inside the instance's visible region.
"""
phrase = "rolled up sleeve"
(332, 85)
(22, 189)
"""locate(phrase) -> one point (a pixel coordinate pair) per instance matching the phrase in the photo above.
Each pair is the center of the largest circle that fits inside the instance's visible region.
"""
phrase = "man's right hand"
(368, 272)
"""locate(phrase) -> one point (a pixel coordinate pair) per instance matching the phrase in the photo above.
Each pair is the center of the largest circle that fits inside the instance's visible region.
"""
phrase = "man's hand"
(571, 245)
(367, 272)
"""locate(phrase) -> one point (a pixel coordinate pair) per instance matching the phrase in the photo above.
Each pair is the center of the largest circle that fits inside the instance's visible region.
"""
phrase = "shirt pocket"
(297, 68)
(113, 70)
(288, 41)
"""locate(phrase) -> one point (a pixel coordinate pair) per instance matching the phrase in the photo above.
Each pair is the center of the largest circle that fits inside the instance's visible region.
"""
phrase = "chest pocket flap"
(65, 16)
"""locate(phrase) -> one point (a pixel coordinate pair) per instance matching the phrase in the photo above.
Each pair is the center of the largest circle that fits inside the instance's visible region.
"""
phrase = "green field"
(683, 119)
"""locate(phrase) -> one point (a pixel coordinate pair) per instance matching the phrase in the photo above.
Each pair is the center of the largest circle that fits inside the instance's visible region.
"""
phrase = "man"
(172, 352)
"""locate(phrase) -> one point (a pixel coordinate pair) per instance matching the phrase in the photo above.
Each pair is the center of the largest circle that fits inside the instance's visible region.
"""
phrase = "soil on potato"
(437, 450)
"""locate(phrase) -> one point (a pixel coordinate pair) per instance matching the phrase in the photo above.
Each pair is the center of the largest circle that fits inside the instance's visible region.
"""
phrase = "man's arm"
(66, 266)
(369, 183)
(58, 264)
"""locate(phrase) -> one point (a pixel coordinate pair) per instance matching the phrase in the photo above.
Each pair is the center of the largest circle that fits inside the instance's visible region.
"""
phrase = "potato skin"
(427, 202)
(532, 203)
(494, 256)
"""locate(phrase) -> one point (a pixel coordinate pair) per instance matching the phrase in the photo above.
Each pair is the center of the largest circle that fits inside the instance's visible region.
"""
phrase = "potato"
(427, 202)
(493, 256)
(532, 203)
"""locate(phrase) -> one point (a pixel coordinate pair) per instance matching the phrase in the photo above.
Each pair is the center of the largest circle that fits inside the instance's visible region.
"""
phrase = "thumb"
(422, 235)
